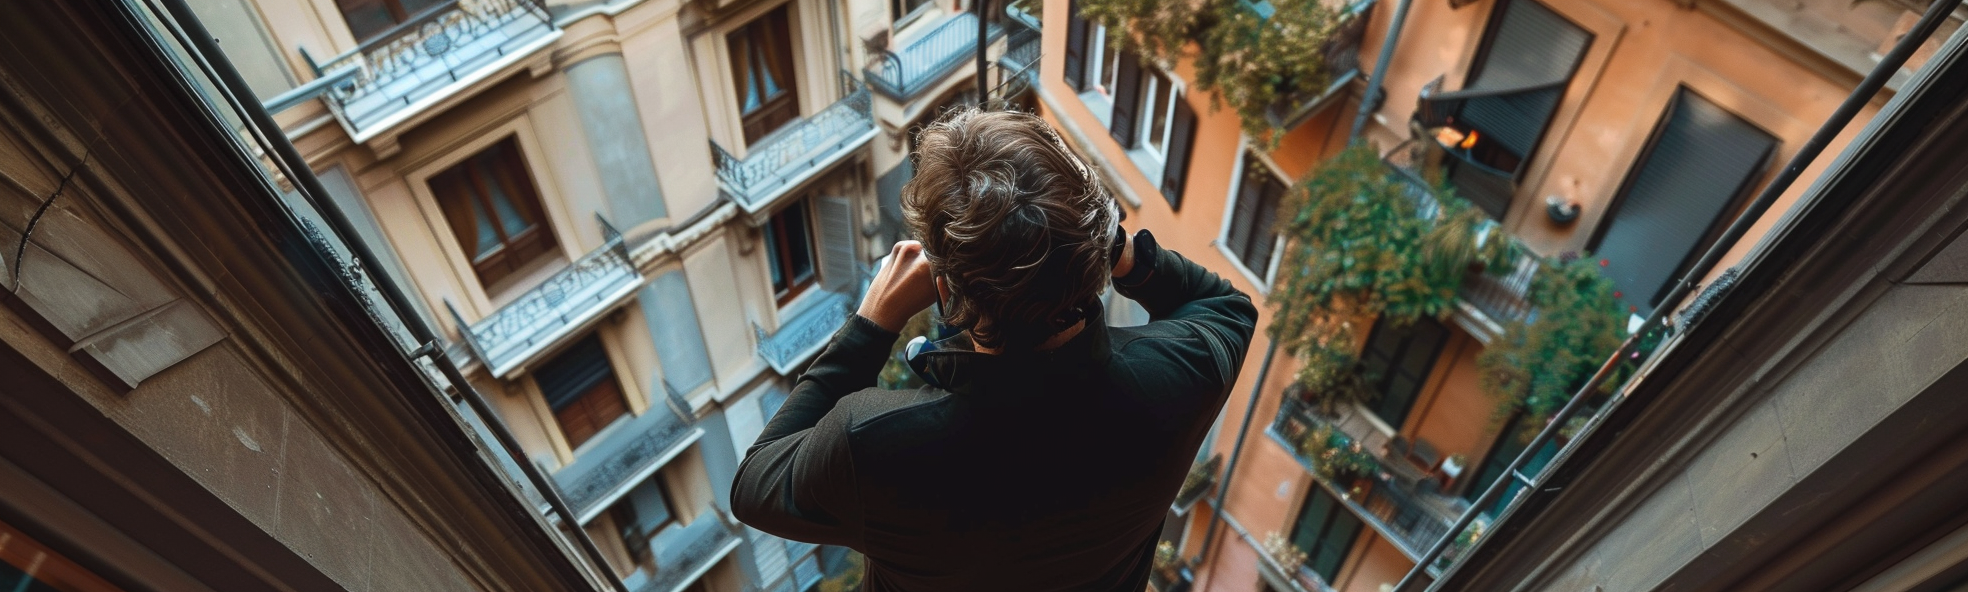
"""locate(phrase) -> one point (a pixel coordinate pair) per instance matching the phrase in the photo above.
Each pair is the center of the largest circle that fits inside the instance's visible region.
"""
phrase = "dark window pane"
(491, 205)
(762, 73)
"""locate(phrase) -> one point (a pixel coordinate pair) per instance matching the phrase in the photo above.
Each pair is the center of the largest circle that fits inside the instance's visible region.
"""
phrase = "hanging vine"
(1536, 366)
(1246, 60)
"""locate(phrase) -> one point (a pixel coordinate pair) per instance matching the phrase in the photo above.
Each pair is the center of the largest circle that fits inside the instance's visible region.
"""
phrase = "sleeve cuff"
(1146, 253)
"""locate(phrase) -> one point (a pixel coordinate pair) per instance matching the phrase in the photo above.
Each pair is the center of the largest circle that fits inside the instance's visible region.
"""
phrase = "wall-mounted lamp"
(1561, 210)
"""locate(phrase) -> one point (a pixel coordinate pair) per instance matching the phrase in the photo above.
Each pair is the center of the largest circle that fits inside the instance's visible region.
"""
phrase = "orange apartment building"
(1632, 130)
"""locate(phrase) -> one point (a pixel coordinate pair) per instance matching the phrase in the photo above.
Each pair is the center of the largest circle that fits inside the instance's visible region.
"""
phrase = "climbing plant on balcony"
(1253, 62)
(1536, 366)
(1248, 60)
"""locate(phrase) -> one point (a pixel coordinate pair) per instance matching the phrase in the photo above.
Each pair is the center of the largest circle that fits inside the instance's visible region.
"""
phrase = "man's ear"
(942, 291)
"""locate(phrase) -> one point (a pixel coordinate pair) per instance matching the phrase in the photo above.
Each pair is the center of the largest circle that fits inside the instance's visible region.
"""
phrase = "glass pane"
(799, 248)
(502, 202)
(1110, 62)
(488, 240)
(652, 507)
(1157, 105)
(772, 256)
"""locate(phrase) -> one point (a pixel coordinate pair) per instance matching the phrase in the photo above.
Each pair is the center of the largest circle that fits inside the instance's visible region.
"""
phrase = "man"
(1047, 450)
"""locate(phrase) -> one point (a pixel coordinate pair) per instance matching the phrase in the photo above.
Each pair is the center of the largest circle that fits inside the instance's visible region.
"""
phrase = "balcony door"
(1513, 89)
(1325, 532)
(580, 387)
(789, 251)
(494, 210)
(1700, 164)
(762, 71)
(368, 19)
(1398, 360)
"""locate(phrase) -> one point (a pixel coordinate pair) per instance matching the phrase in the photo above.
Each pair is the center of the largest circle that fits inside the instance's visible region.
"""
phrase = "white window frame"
(1151, 78)
(1262, 280)
(1098, 98)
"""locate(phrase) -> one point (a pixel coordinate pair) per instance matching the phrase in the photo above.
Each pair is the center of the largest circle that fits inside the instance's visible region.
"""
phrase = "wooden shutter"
(1243, 216)
(836, 228)
(1182, 140)
(1127, 100)
(1077, 32)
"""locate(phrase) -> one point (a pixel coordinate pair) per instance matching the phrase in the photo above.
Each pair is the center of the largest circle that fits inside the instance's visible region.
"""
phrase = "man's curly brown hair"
(1013, 223)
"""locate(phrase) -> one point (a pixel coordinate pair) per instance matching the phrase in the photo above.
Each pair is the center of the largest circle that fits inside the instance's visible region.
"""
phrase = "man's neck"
(1058, 339)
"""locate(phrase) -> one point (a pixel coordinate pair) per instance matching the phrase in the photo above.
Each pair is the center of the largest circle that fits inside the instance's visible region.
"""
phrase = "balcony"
(803, 334)
(683, 554)
(1401, 501)
(925, 60)
(1342, 59)
(557, 309)
(625, 455)
(1018, 68)
(431, 57)
(1489, 299)
(794, 154)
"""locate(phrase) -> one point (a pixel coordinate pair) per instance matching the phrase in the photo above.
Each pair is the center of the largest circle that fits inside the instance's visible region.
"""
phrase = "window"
(897, 9)
(1078, 32)
(580, 387)
(640, 514)
(762, 66)
(1528, 56)
(1699, 165)
(1155, 113)
(493, 209)
(1325, 532)
(1398, 360)
(1253, 234)
(370, 18)
(1509, 443)
(789, 251)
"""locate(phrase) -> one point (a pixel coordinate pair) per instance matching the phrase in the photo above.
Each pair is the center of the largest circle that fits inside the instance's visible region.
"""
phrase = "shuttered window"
(1252, 234)
(1181, 144)
(1398, 360)
(1527, 59)
(1699, 165)
(835, 222)
(1325, 532)
(1078, 32)
(762, 67)
(492, 207)
(1127, 98)
(789, 251)
(580, 388)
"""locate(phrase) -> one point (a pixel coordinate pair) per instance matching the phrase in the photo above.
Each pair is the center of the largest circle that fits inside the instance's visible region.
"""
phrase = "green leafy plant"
(1358, 247)
(1537, 365)
(1335, 457)
(896, 373)
(1247, 60)
(1253, 62)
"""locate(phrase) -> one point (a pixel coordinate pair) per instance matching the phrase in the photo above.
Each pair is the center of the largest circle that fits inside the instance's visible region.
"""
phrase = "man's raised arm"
(1173, 288)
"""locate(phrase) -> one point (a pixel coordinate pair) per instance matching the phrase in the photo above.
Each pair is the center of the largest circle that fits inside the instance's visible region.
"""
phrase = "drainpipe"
(983, 43)
(1374, 90)
(1271, 351)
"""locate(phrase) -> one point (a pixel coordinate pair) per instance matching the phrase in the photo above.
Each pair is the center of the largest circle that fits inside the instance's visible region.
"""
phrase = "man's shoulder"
(873, 412)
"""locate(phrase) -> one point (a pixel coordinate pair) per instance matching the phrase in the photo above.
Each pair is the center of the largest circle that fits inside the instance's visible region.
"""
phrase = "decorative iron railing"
(1401, 501)
(507, 338)
(928, 58)
(442, 45)
(1501, 294)
(625, 457)
(804, 332)
(683, 554)
(796, 152)
(1018, 68)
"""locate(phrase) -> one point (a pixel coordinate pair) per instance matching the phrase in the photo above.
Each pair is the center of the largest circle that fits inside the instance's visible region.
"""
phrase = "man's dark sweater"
(1037, 471)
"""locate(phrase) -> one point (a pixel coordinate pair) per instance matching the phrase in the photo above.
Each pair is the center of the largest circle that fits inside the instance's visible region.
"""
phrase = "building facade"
(1629, 131)
(634, 221)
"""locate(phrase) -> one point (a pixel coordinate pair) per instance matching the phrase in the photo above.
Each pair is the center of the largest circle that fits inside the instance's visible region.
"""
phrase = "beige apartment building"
(635, 221)
(1630, 130)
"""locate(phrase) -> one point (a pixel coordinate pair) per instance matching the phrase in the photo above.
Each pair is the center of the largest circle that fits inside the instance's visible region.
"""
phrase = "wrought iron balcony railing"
(1018, 68)
(539, 319)
(804, 334)
(1401, 501)
(626, 456)
(925, 60)
(683, 554)
(795, 153)
(430, 56)
(1501, 296)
